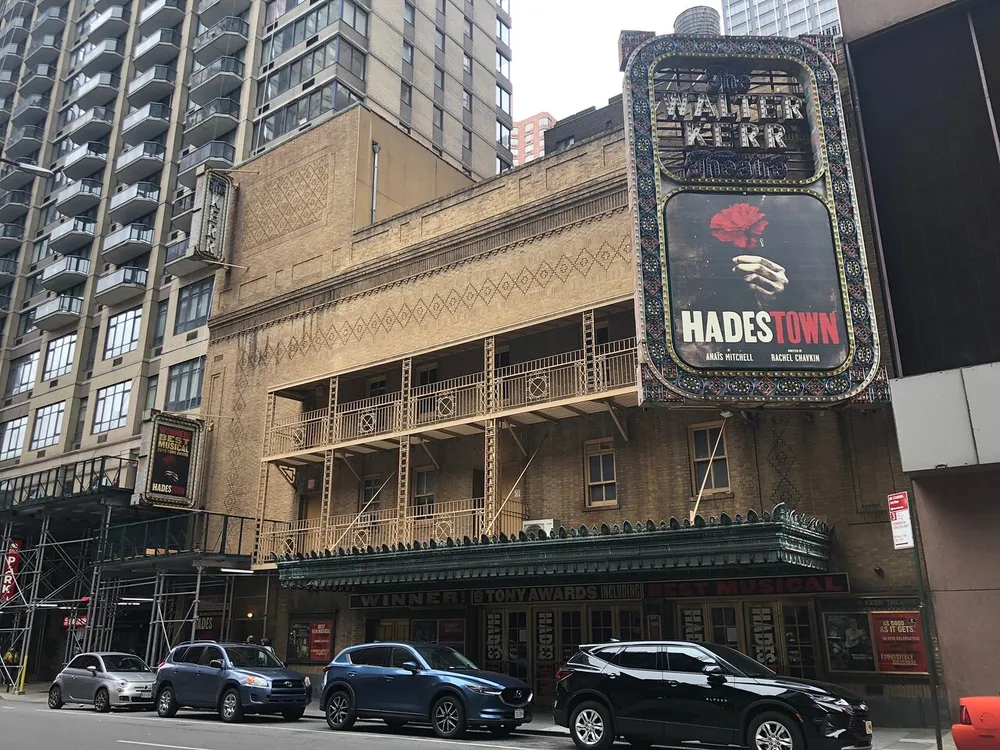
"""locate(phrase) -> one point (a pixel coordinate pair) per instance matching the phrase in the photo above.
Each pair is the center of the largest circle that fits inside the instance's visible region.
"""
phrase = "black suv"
(676, 693)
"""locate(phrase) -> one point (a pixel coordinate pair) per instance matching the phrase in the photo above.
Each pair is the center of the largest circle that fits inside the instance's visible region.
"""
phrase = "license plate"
(868, 727)
(145, 694)
(518, 713)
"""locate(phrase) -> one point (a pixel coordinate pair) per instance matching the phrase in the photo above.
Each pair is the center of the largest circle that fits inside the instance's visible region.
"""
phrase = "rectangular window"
(406, 93)
(59, 356)
(40, 250)
(22, 374)
(442, 6)
(468, 29)
(467, 139)
(503, 32)
(26, 322)
(409, 13)
(439, 78)
(504, 5)
(424, 484)
(95, 334)
(467, 63)
(503, 65)
(544, 122)
(502, 165)
(194, 305)
(152, 386)
(503, 135)
(602, 483)
(370, 495)
(704, 439)
(111, 407)
(439, 118)
(184, 385)
(123, 333)
(439, 39)
(466, 100)
(377, 387)
(160, 327)
(408, 53)
(12, 438)
(48, 426)
(503, 99)
(81, 421)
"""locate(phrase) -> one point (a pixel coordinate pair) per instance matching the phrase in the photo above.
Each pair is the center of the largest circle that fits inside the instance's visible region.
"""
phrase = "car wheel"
(339, 712)
(166, 703)
(102, 701)
(55, 697)
(295, 715)
(395, 724)
(231, 707)
(774, 731)
(503, 730)
(448, 718)
(591, 726)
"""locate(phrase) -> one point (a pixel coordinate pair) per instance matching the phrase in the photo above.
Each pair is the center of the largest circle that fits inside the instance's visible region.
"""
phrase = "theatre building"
(426, 394)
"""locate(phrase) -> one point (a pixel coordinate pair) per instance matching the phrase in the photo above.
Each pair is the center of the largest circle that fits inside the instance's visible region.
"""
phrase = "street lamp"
(33, 169)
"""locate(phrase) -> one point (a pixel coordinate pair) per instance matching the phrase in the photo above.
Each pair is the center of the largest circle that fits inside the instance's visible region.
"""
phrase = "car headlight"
(832, 701)
(308, 682)
(123, 683)
(255, 681)
(483, 690)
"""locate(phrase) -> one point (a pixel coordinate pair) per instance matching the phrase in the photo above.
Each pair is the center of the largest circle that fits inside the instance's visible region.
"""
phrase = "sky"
(565, 52)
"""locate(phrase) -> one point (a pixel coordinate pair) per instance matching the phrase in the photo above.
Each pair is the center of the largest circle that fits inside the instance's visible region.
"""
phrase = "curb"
(528, 729)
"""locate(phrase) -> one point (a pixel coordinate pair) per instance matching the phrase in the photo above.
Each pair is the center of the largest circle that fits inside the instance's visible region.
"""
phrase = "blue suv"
(232, 678)
(421, 683)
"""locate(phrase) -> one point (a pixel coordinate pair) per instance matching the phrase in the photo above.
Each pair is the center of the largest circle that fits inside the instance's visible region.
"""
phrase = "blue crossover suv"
(421, 683)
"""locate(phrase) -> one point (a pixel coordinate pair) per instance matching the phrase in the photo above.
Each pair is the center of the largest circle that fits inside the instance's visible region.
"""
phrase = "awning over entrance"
(781, 542)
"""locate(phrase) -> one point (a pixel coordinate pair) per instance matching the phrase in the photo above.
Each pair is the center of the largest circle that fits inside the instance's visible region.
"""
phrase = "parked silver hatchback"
(105, 681)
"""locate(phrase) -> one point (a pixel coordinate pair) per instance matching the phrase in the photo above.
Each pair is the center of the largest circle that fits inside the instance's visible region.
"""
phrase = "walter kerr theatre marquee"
(752, 286)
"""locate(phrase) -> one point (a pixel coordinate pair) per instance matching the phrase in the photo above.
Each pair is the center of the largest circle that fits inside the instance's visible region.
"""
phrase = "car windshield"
(252, 657)
(124, 663)
(749, 667)
(443, 657)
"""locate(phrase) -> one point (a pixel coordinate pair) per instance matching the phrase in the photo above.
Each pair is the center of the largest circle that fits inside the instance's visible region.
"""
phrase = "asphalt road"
(30, 726)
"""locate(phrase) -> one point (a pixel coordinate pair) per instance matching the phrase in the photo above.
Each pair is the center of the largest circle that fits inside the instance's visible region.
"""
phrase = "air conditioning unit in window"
(548, 525)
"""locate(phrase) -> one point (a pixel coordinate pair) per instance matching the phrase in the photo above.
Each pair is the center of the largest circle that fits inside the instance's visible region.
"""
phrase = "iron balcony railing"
(127, 275)
(131, 233)
(147, 190)
(8, 266)
(97, 114)
(221, 106)
(177, 250)
(94, 476)
(222, 65)
(213, 150)
(61, 304)
(15, 197)
(197, 532)
(52, 14)
(229, 25)
(154, 111)
(80, 187)
(67, 264)
(160, 36)
(155, 7)
(12, 231)
(38, 101)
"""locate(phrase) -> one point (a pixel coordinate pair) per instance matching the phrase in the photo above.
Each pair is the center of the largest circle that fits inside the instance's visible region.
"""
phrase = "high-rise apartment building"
(527, 139)
(780, 17)
(701, 20)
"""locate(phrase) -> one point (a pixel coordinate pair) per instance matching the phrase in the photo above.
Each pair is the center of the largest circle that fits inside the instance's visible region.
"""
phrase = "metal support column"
(326, 507)
(195, 603)
(590, 351)
(36, 581)
(491, 438)
(153, 636)
(404, 531)
(262, 480)
(95, 581)
(333, 397)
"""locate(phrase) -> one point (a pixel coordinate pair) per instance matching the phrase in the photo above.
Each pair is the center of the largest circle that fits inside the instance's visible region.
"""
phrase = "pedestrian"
(250, 639)
(266, 643)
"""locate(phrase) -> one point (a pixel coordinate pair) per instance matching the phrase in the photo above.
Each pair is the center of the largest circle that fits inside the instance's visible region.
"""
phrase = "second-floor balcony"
(159, 48)
(154, 84)
(8, 269)
(105, 56)
(43, 49)
(210, 12)
(101, 88)
(133, 202)
(24, 141)
(37, 79)
(64, 273)
(214, 119)
(92, 125)
(85, 160)
(72, 234)
(11, 237)
(31, 110)
(224, 38)
(14, 205)
(181, 259)
(214, 155)
(78, 197)
(182, 537)
(161, 14)
(216, 79)
(58, 313)
(140, 162)
(120, 285)
(127, 243)
(146, 123)
(94, 478)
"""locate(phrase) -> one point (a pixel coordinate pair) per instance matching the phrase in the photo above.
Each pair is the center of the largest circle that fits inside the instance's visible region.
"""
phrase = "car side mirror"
(92, 669)
(215, 664)
(411, 666)
(713, 670)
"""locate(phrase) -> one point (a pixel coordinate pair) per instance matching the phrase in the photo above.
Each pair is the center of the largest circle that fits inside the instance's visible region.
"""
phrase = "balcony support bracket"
(288, 472)
(517, 439)
(618, 418)
(425, 445)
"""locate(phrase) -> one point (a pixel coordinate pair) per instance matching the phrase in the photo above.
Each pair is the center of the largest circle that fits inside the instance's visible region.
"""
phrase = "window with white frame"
(467, 63)
(59, 356)
(370, 495)
(123, 333)
(12, 438)
(184, 385)
(48, 426)
(503, 64)
(111, 407)
(424, 486)
(602, 477)
(503, 32)
(194, 305)
(21, 378)
(152, 386)
(706, 439)
(503, 134)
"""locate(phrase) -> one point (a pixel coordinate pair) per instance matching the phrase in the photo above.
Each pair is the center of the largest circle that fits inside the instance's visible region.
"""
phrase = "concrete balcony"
(8, 81)
(110, 24)
(11, 56)
(31, 111)
(133, 202)
(106, 56)
(210, 12)
(127, 243)
(11, 237)
(43, 50)
(12, 178)
(182, 212)
(100, 89)
(154, 84)
(118, 286)
(215, 119)
(65, 273)
(214, 155)
(19, 8)
(224, 38)
(146, 123)
(92, 125)
(140, 162)
(58, 313)
(5, 109)
(51, 21)
(159, 48)
(85, 160)
(14, 205)
(181, 259)
(37, 80)
(72, 235)
(161, 14)
(8, 269)
(16, 29)
(24, 141)
(78, 197)
(221, 77)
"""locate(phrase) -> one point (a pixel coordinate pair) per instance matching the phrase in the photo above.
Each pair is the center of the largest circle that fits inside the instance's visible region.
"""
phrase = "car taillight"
(963, 716)
(562, 674)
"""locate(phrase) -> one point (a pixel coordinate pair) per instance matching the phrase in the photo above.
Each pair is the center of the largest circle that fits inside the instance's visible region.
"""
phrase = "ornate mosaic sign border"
(663, 378)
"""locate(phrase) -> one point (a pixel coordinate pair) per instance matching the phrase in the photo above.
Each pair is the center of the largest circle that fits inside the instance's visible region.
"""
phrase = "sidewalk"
(884, 738)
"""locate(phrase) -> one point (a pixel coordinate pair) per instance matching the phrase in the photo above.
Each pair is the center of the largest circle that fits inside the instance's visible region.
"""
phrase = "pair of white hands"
(765, 277)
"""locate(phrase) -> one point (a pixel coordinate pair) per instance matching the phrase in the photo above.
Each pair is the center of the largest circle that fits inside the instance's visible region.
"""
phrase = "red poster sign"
(899, 642)
(11, 564)
(320, 641)
(75, 622)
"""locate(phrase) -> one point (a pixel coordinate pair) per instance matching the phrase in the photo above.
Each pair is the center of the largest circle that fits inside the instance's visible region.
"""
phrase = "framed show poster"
(899, 642)
(310, 639)
(849, 642)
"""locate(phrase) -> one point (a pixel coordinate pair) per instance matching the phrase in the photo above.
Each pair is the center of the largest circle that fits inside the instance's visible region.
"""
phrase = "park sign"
(752, 286)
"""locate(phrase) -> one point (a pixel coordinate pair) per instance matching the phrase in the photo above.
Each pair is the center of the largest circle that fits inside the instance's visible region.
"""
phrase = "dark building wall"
(585, 124)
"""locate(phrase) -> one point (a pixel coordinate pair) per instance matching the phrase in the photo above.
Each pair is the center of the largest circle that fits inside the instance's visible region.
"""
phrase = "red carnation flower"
(741, 224)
